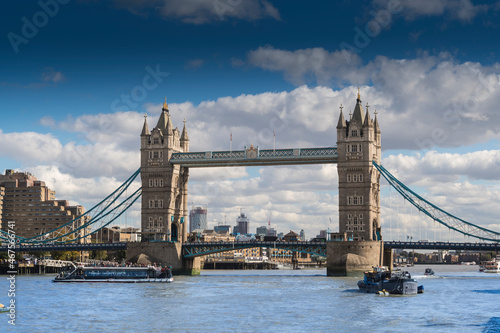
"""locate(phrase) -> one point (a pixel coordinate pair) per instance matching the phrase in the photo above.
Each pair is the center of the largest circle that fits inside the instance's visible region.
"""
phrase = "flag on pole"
(274, 140)
(230, 141)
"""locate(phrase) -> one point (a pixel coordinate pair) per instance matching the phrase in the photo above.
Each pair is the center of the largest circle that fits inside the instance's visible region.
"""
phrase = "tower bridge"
(166, 160)
(164, 172)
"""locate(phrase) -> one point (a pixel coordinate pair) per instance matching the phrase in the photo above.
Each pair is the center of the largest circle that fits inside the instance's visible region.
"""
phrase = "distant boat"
(491, 267)
(428, 271)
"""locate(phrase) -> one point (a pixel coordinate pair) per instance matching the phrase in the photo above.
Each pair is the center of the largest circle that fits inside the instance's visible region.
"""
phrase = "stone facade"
(165, 254)
(352, 258)
(358, 144)
(164, 186)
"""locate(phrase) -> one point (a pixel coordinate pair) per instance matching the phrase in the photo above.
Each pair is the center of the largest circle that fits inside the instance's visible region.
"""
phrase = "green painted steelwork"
(437, 214)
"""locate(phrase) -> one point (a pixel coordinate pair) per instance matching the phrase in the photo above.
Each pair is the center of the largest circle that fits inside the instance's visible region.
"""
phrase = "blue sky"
(430, 69)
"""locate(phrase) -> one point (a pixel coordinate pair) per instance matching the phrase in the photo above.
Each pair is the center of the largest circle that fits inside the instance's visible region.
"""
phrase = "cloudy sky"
(77, 78)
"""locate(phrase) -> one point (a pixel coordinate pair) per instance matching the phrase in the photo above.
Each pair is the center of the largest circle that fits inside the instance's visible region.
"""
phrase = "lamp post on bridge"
(413, 251)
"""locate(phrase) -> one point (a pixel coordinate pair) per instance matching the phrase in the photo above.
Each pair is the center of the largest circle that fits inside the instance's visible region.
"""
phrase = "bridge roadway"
(197, 249)
(442, 246)
(66, 247)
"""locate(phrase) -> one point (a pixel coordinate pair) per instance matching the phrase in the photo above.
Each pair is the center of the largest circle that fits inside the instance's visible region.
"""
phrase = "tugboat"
(381, 279)
(429, 271)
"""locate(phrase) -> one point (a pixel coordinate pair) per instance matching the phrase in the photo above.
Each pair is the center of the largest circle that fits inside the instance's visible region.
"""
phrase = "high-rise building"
(222, 228)
(322, 234)
(32, 206)
(302, 235)
(261, 231)
(242, 224)
(198, 219)
(272, 232)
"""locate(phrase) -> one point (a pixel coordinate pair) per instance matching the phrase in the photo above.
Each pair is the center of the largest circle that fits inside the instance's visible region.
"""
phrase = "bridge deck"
(442, 246)
(66, 247)
(256, 157)
(200, 249)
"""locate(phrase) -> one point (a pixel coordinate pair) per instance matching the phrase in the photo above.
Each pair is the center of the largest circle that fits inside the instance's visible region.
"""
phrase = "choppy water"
(456, 299)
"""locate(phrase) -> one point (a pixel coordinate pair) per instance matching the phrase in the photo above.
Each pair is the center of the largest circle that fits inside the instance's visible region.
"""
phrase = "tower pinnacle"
(165, 105)
(145, 128)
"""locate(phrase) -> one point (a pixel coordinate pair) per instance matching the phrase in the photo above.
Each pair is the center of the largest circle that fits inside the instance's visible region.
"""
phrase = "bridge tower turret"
(358, 144)
(164, 185)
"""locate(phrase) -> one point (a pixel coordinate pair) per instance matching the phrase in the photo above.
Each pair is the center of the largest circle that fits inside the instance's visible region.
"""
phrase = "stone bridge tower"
(164, 185)
(358, 144)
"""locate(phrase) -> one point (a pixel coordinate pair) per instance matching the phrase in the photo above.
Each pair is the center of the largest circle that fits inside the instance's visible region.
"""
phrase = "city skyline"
(267, 73)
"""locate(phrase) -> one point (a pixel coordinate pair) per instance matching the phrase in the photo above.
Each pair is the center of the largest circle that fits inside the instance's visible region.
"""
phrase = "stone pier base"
(346, 258)
(165, 253)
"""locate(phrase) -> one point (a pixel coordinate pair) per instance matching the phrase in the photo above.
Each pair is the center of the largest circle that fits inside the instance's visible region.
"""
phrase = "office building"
(198, 219)
(242, 224)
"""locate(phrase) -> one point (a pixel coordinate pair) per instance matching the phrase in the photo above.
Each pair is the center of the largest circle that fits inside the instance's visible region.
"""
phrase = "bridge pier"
(345, 258)
(165, 253)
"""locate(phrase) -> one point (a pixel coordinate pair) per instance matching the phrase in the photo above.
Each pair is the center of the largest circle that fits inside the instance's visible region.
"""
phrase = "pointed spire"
(367, 121)
(375, 123)
(145, 128)
(164, 123)
(169, 127)
(341, 123)
(358, 114)
(184, 135)
(165, 105)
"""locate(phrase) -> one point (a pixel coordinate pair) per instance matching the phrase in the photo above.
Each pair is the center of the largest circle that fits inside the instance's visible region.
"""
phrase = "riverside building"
(32, 205)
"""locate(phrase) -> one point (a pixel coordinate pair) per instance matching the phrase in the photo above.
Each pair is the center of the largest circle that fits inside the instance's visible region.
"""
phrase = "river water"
(456, 299)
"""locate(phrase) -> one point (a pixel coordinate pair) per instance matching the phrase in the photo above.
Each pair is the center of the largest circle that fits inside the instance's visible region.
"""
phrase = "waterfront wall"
(353, 257)
(165, 253)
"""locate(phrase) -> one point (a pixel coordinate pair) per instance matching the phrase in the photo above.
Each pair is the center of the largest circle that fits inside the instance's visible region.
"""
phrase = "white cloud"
(202, 11)
(104, 150)
(194, 64)
(445, 103)
(303, 65)
(462, 10)
(50, 75)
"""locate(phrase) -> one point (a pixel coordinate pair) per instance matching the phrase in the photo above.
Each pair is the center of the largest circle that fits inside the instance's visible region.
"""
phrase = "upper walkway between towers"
(254, 156)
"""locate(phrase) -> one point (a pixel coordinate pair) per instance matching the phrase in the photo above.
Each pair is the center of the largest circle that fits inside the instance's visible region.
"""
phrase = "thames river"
(456, 299)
